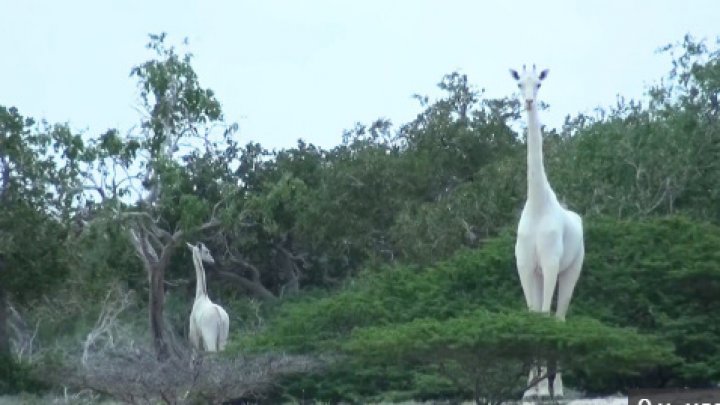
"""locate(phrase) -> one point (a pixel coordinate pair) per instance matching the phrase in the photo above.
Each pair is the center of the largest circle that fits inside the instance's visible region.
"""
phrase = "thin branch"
(254, 287)
(293, 257)
(242, 262)
(139, 249)
(663, 192)
(177, 235)
(137, 215)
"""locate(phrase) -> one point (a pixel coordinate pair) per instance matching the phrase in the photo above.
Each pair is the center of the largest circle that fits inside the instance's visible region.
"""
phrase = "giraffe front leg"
(558, 385)
(527, 272)
(543, 387)
(532, 392)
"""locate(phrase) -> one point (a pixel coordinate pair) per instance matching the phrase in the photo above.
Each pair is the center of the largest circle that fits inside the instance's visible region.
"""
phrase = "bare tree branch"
(115, 303)
(139, 246)
(132, 373)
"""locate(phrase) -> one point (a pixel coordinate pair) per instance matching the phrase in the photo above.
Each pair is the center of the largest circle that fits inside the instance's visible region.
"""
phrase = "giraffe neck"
(537, 183)
(200, 286)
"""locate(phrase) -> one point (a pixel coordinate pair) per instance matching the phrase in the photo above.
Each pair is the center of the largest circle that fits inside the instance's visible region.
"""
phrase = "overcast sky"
(309, 69)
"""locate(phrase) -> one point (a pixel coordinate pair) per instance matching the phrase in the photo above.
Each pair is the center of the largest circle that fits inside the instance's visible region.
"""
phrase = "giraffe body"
(209, 322)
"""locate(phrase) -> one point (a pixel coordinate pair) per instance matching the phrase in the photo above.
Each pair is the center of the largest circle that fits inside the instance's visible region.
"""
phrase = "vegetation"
(472, 300)
(379, 269)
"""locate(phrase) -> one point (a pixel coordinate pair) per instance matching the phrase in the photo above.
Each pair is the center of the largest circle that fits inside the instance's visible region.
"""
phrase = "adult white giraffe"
(549, 249)
(209, 323)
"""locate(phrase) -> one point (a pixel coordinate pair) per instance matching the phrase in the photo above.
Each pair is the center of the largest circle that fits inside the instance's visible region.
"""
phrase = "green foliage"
(491, 353)
(661, 275)
(657, 158)
(400, 294)
(193, 211)
(358, 194)
(101, 257)
(471, 212)
(18, 377)
(26, 168)
(170, 89)
(481, 336)
(354, 381)
(278, 206)
(34, 253)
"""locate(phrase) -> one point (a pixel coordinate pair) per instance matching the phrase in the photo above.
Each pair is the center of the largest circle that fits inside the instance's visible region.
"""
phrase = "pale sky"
(310, 69)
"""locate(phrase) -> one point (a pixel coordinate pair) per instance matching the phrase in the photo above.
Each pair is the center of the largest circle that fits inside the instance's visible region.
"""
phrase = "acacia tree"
(484, 353)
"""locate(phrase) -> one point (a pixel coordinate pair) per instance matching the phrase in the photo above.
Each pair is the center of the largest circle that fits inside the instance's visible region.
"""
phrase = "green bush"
(18, 377)
(491, 353)
(662, 276)
(471, 279)
(656, 275)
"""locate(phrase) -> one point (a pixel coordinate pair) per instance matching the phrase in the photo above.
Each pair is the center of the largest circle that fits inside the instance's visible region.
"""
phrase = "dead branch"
(134, 375)
(22, 341)
(116, 301)
(140, 243)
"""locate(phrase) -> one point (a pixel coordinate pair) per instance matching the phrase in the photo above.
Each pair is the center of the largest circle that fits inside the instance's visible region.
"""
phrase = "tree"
(461, 154)
(35, 194)
(177, 108)
(650, 157)
(40, 187)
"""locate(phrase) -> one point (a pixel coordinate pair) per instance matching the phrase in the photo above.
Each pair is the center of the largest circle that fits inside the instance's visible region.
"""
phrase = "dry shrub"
(118, 362)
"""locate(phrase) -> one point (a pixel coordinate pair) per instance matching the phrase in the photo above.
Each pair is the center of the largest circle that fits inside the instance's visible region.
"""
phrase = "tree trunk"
(4, 335)
(157, 300)
(286, 263)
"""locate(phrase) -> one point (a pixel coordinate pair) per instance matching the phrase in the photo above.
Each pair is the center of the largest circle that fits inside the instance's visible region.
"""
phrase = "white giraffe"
(549, 249)
(209, 323)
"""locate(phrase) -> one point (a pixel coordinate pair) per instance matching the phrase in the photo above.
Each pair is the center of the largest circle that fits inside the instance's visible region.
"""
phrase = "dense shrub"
(491, 353)
(656, 275)
(18, 377)
(662, 276)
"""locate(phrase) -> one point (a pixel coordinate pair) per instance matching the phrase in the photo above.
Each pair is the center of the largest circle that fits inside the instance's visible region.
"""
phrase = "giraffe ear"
(544, 74)
(189, 245)
(514, 74)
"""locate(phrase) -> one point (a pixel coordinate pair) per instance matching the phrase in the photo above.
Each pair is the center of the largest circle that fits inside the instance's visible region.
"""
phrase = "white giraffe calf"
(209, 323)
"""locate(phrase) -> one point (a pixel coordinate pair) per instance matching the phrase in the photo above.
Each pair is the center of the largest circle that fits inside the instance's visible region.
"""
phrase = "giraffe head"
(203, 252)
(529, 84)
